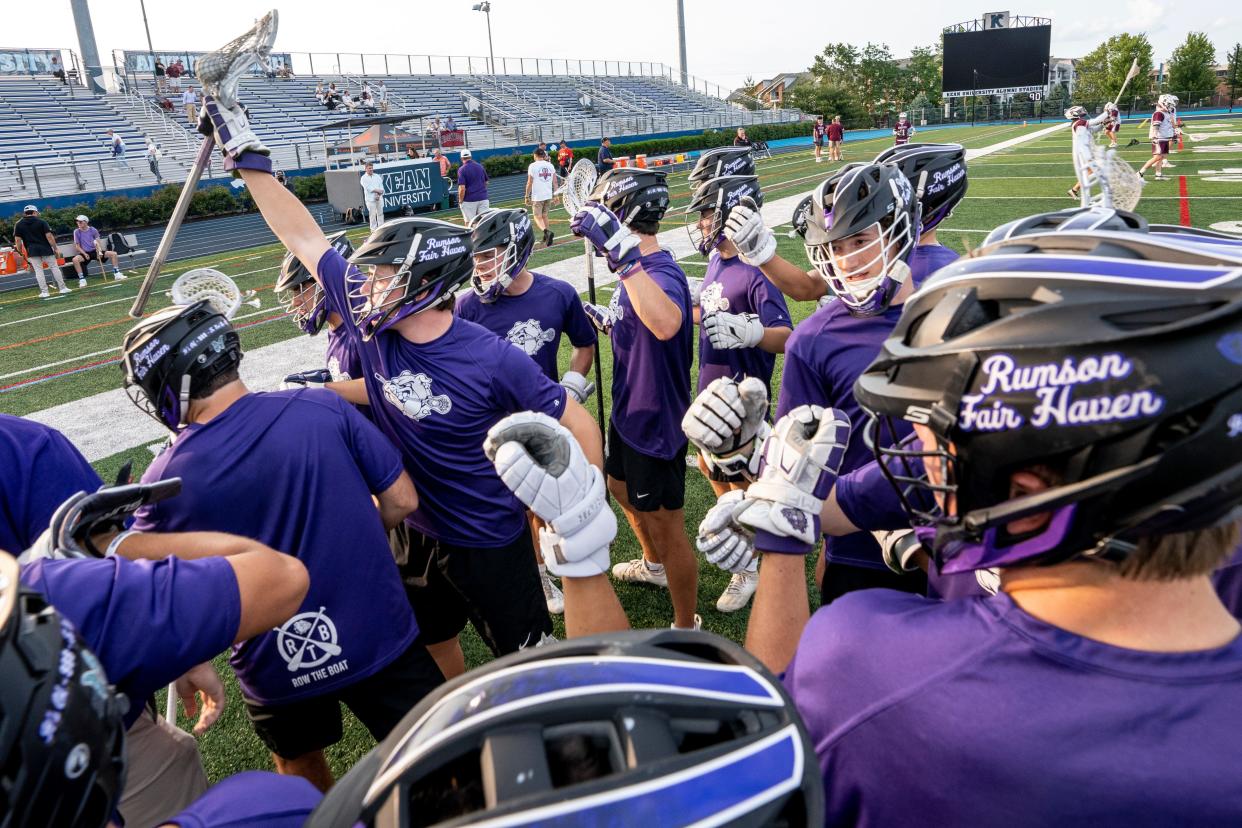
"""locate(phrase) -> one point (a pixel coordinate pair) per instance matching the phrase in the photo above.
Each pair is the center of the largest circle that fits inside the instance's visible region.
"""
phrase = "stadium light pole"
(681, 42)
(150, 48)
(486, 8)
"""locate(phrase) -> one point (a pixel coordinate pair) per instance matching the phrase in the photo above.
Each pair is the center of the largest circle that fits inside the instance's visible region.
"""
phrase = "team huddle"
(1023, 468)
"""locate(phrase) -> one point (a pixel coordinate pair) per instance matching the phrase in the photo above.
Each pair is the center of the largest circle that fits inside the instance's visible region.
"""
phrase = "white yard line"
(263, 368)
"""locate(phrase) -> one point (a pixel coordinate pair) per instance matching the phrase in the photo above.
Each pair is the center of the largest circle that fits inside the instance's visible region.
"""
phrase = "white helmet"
(1110, 105)
(902, 115)
(1166, 102)
(1075, 112)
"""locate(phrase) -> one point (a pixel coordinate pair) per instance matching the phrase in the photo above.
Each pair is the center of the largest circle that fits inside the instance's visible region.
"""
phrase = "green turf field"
(70, 342)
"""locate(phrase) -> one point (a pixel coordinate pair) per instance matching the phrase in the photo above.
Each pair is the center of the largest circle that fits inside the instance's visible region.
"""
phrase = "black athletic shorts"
(841, 578)
(379, 701)
(651, 483)
(497, 589)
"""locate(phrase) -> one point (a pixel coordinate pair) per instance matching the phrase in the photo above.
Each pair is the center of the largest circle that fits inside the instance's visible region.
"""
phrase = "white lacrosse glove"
(543, 465)
(900, 548)
(745, 228)
(726, 423)
(696, 289)
(601, 317)
(230, 127)
(722, 540)
(730, 331)
(801, 459)
(578, 386)
(316, 378)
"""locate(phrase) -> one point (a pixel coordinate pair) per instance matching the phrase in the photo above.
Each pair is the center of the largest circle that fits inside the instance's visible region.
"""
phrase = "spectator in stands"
(540, 182)
(153, 160)
(189, 102)
(34, 241)
(604, 161)
(411, 152)
(471, 187)
(159, 75)
(740, 140)
(58, 70)
(450, 124)
(285, 72)
(174, 73)
(367, 101)
(564, 158)
(285, 181)
(373, 195)
(836, 135)
(381, 96)
(88, 246)
(118, 148)
(443, 161)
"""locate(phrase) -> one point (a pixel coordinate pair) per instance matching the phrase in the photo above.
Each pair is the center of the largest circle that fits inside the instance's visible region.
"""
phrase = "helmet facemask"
(706, 228)
(306, 304)
(376, 299)
(495, 268)
(866, 288)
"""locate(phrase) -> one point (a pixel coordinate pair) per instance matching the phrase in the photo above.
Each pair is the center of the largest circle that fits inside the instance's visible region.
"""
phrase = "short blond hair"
(1181, 555)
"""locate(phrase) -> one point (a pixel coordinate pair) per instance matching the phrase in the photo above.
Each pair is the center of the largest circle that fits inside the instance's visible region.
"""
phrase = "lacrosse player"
(1162, 131)
(1082, 137)
(861, 254)
(651, 327)
(903, 130)
(744, 323)
(1079, 470)
(436, 383)
(1112, 127)
(41, 469)
(314, 463)
(531, 311)
(149, 617)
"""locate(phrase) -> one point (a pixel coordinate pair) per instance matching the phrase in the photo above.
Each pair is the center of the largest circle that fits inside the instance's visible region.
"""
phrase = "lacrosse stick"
(209, 285)
(219, 72)
(574, 195)
(1133, 73)
(1120, 186)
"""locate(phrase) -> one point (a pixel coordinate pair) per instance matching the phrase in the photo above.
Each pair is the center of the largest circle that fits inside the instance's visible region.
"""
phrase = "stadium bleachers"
(53, 141)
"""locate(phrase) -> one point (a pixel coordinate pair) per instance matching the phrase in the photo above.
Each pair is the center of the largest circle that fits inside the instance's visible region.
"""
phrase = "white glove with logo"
(745, 228)
(600, 315)
(725, 422)
(801, 459)
(733, 330)
(543, 465)
(578, 386)
(724, 541)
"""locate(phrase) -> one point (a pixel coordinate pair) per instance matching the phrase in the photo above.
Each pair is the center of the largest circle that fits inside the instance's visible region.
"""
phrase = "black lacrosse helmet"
(310, 313)
(720, 161)
(1072, 220)
(632, 194)
(1112, 359)
(802, 216)
(510, 237)
(173, 355)
(944, 166)
(431, 259)
(627, 728)
(62, 731)
(719, 195)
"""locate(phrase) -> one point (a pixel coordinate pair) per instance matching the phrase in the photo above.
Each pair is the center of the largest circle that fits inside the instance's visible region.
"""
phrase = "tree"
(878, 80)
(924, 74)
(817, 97)
(1191, 72)
(1103, 70)
(1234, 77)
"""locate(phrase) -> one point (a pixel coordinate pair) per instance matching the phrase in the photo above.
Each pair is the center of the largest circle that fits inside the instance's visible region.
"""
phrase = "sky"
(727, 40)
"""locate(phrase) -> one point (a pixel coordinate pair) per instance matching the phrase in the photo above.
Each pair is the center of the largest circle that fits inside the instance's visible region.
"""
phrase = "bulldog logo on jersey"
(334, 368)
(711, 299)
(614, 305)
(530, 336)
(411, 394)
(307, 640)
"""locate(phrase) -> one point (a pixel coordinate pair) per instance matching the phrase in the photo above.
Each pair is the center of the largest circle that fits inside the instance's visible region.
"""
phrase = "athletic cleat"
(548, 238)
(1070, 192)
(81, 283)
(636, 571)
(737, 594)
(64, 290)
(552, 594)
(698, 624)
(43, 294)
(1158, 177)
(1168, 166)
(119, 277)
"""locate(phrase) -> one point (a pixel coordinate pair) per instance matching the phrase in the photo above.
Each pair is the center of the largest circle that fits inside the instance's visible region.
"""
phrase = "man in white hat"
(35, 242)
(87, 245)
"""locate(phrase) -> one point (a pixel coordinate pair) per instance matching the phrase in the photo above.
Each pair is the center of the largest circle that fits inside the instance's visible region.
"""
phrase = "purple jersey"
(40, 469)
(926, 259)
(436, 401)
(296, 470)
(473, 177)
(823, 358)
(1228, 582)
(733, 286)
(148, 621)
(534, 320)
(255, 799)
(650, 378)
(343, 360)
(973, 712)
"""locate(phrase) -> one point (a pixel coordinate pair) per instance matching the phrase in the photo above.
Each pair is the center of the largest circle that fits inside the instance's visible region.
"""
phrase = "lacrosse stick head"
(221, 71)
(1120, 186)
(205, 284)
(578, 185)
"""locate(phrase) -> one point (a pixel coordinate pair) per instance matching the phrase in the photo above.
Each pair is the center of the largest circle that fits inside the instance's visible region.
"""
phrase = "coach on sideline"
(604, 160)
(373, 195)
